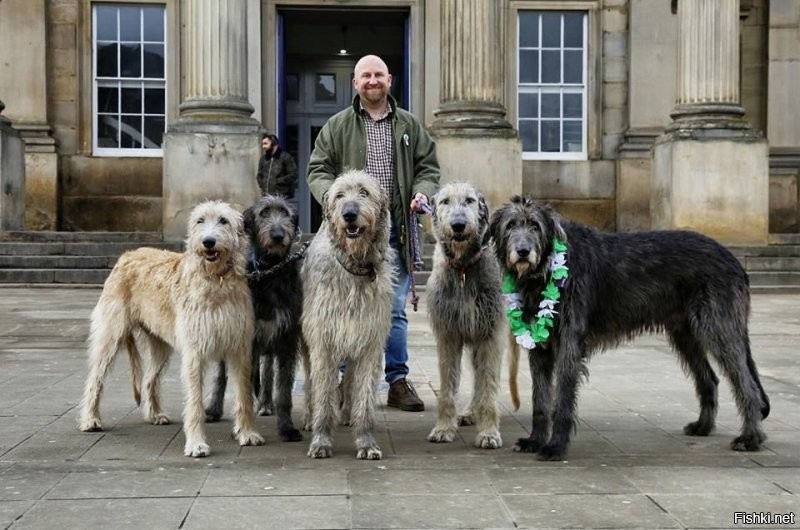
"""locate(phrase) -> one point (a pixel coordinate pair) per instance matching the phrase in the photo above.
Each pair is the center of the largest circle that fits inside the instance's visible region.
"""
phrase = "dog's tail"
(136, 368)
(513, 369)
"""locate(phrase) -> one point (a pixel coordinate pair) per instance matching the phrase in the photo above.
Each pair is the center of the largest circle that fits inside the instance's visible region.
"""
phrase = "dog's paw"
(527, 445)
(90, 425)
(697, 428)
(442, 435)
(748, 442)
(196, 449)
(466, 419)
(266, 409)
(160, 419)
(369, 453)
(551, 452)
(319, 450)
(488, 440)
(290, 434)
(249, 438)
(213, 415)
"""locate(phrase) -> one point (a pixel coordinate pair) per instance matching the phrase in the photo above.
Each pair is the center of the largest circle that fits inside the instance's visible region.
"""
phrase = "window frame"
(591, 101)
(85, 95)
(140, 82)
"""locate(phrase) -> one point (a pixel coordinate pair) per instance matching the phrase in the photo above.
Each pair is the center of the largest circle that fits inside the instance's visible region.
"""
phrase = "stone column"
(783, 115)
(12, 176)
(710, 168)
(212, 151)
(475, 141)
(23, 71)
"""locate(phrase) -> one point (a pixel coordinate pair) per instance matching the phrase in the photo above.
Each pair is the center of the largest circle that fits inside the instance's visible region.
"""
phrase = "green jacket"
(342, 144)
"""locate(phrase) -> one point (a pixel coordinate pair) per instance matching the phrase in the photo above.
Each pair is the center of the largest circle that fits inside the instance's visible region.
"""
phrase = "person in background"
(277, 170)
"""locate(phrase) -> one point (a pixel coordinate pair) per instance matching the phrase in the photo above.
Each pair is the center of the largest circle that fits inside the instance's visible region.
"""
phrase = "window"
(551, 84)
(129, 79)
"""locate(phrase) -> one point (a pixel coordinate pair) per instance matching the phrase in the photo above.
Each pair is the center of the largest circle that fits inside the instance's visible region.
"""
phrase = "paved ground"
(629, 465)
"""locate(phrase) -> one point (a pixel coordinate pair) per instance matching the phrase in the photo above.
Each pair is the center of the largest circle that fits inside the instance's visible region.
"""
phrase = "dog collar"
(225, 272)
(257, 274)
(461, 267)
(358, 269)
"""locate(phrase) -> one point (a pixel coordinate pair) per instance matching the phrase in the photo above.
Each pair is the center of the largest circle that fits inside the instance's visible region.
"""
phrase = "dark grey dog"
(271, 226)
(620, 285)
(465, 307)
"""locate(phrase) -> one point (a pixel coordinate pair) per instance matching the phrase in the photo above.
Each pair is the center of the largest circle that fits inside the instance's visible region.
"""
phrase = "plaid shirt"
(380, 149)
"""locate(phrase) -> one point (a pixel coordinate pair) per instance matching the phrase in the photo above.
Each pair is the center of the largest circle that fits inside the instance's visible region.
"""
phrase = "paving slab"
(629, 464)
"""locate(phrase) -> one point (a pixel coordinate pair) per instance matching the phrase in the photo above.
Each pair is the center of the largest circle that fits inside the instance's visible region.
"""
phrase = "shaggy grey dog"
(347, 297)
(271, 226)
(619, 286)
(465, 307)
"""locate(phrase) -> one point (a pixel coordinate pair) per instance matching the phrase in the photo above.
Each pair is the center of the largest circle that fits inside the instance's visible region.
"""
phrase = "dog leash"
(415, 262)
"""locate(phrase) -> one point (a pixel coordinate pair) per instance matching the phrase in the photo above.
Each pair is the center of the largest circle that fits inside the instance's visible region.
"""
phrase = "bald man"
(390, 144)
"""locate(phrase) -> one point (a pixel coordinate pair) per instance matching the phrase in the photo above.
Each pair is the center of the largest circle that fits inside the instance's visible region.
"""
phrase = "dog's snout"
(523, 252)
(277, 233)
(458, 226)
(209, 242)
(350, 212)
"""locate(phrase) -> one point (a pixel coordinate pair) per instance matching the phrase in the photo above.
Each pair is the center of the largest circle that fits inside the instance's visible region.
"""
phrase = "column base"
(492, 164)
(204, 161)
(714, 183)
(41, 176)
(472, 118)
(12, 177)
(214, 110)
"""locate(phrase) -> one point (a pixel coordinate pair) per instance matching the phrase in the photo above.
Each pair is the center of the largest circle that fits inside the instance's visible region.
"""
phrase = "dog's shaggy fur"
(197, 303)
(347, 296)
(465, 307)
(271, 225)
(621, 285)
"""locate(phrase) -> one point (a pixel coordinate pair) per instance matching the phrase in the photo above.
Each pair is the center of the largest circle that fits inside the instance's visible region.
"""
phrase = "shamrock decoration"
(529, 335)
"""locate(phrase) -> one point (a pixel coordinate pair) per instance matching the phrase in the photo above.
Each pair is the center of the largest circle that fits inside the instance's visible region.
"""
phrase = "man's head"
(269, 143)
(371, 79)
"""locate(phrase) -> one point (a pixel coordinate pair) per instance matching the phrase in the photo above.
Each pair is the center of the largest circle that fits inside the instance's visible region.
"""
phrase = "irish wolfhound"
(347, 298)
(617, 286)
(273, 273)
(197, 303)
(465, 307)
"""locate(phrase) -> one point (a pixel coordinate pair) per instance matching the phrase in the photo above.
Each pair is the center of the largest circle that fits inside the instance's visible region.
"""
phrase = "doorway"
(316, 75)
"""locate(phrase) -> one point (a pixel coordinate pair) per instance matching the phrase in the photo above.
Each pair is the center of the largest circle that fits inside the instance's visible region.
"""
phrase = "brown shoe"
(403, 396)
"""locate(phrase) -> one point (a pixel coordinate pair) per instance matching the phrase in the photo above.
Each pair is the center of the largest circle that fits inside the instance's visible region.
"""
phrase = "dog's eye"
(470, 200)
(201, 221)
(339, 196)
(363, 192)
(444, 202)
(223, 221)
(511, 224)
(536, 227)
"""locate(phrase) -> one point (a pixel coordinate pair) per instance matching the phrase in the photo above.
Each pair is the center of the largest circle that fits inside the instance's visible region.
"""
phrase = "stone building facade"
(626, 114)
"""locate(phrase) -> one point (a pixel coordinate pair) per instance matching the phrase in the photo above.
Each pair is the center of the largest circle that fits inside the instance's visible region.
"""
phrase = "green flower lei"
(529, 335)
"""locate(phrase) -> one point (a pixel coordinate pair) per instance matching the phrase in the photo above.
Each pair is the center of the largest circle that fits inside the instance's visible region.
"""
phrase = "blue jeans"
(396, 351)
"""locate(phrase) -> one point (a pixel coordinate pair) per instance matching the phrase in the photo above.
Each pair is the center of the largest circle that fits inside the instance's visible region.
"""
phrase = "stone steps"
(87, 257)
(68, 257)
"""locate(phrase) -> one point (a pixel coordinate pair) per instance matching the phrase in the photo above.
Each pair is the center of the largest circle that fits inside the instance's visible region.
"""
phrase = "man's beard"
(375, 95)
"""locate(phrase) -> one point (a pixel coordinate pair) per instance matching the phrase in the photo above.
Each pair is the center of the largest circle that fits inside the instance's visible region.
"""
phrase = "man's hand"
(419, 204)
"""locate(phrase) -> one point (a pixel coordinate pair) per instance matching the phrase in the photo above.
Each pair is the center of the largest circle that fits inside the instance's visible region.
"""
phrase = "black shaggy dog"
(620, 285)
(271, 226)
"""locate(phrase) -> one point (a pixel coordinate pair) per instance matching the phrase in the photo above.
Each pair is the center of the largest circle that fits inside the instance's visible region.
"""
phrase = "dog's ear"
(249, 217)
(483, 218)
(432, 204)
(557, 220)
(495, 221)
